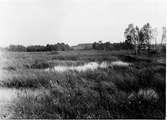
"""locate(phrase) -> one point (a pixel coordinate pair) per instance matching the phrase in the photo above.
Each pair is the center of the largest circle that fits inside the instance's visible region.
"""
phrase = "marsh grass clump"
(149, 95)
(26, 80)
(23, 82)
(145, 103)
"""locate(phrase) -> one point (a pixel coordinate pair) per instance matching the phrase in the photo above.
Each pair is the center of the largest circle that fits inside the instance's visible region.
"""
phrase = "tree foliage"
(140, 38)
(132, 36)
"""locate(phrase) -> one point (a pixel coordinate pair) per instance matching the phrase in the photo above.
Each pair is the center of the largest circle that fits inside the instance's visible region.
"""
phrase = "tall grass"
(103, 93)
(119, 92)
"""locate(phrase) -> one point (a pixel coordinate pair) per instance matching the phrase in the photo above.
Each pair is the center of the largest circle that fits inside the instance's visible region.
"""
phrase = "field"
(32, 86)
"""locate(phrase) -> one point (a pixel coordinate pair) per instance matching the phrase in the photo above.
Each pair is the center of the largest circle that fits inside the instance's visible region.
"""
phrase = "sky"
(30, 22)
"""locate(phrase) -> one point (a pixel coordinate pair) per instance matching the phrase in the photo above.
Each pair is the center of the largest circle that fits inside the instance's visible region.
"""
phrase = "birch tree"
(132, 34)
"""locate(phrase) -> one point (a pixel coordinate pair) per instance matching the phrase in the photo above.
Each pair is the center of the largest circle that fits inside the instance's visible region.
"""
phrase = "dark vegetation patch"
(41, 65)
(53, 53)
(65, 58)
(87, 58)
(9, 68)
(134, 58)
(50, 64)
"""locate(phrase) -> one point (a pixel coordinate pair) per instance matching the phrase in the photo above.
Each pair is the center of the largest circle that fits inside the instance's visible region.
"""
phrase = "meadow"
(30, 87)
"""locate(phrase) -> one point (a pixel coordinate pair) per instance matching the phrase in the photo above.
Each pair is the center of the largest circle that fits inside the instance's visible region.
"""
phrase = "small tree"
(163, 35)
(154, 37)
(132, 36)
(163, 40)
(146, 36)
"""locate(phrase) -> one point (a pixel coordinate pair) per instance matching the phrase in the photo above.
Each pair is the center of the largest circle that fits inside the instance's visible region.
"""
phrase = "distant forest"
(39, 48)
(112, 46)
(64, 47)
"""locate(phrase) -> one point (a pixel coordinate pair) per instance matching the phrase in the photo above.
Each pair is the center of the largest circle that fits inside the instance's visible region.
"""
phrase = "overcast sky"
(29, 22)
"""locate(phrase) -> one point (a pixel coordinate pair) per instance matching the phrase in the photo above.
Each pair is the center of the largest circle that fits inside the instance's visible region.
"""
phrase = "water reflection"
(88, 66)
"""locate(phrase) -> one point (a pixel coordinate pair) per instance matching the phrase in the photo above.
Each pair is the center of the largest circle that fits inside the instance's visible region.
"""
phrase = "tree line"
(111, 46)
(139, 39)
(39, 48)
